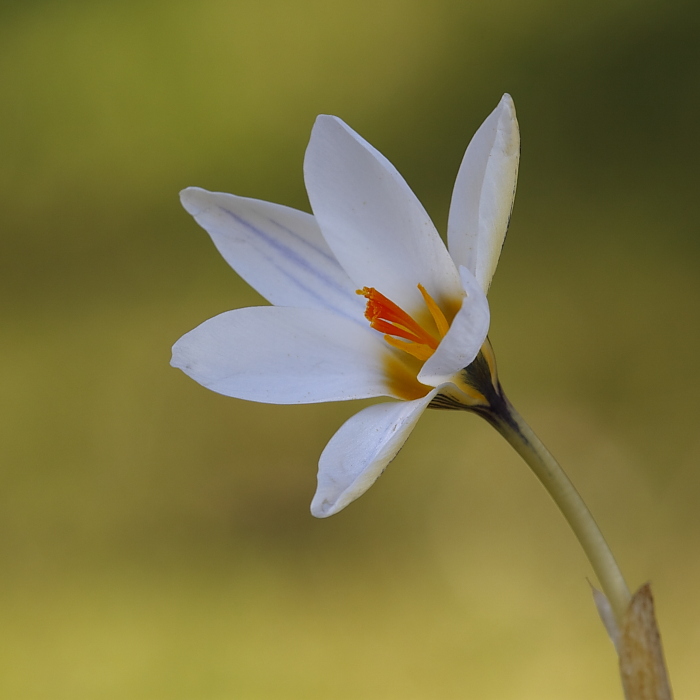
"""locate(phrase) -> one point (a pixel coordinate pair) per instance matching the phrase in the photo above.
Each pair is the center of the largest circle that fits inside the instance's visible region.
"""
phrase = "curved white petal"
(280, 355)
(374, 224)
(464, 339)
(360, 451)
(278, 250)
(483, 195)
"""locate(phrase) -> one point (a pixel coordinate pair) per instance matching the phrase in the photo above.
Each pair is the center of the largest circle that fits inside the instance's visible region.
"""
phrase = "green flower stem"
(519, 434)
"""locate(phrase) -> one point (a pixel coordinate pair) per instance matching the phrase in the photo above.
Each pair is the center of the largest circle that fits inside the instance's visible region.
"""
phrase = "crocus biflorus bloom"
(366, 300)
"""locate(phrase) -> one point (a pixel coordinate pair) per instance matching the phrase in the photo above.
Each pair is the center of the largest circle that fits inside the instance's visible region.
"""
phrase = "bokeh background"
(155, 540)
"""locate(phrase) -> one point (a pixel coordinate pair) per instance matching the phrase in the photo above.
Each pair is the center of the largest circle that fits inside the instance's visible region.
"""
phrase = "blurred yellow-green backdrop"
(155, 540)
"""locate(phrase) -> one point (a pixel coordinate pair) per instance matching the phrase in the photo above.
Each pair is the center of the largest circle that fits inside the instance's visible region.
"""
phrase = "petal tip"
(507, 101)
(331, 128)
(508, 121)
(179, 355)
(506, 107)
(322, 508)
(192, 199)
(327, 121)
(327, 118)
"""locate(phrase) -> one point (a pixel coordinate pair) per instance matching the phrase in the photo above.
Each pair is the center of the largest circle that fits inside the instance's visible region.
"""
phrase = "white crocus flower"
(367, 301)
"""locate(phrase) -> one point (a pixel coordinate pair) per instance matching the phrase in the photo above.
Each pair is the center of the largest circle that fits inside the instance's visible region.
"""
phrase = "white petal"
(360, 451)
(278, 250)
(464, 339)
(273, 354)
(483, 195)
(374, 224)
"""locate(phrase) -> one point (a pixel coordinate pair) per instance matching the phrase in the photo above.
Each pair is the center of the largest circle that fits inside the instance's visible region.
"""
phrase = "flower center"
(388, 318)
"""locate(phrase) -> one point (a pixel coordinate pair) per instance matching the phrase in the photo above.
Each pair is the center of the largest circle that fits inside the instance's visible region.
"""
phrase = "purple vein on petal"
(302, 263)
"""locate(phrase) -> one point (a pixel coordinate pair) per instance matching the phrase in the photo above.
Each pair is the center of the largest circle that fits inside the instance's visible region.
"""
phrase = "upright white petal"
(279, 251)
(483, 195)
(360, 451)
(279, 355)
(374, 224)
(463, 341)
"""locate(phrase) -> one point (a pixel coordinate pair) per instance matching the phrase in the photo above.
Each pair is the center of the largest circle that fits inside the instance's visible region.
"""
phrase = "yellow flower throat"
(388, 318)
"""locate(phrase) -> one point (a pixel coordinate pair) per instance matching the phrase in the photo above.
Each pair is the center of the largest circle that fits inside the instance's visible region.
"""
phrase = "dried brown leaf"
(642, 666)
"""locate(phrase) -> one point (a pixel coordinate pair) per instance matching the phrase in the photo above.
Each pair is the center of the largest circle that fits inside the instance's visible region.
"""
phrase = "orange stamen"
(418, 350)
(440, 321)
(388, 318)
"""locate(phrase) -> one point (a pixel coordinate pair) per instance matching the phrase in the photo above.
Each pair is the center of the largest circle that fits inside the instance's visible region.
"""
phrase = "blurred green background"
(155, 540)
